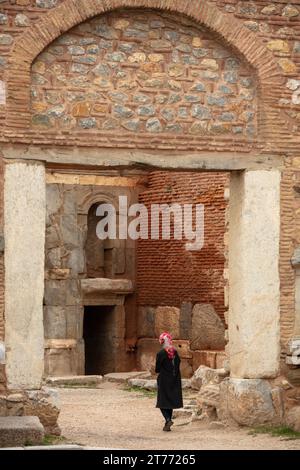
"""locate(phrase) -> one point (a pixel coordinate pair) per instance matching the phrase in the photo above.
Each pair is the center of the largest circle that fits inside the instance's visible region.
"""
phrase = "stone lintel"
(145, 159)
(106, 286)
(60, 343)
(95, 180)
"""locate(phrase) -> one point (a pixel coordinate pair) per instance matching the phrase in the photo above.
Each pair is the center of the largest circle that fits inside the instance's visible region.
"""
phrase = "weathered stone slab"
(60, 343)
(221, 161)
(20, 430)
(104, 285)
(151, 384)
(53, 257)
(76, 261)
(53, 200)
(185, 320)
(147, 350)
(146, 317)
(64, 357)
(62, 292)
(293, 418)
(80, 380)
(63, 322)
(206, 376)
(254, 295)
(69, 231)
(121, 377)
(208, 331)
(167, 319)
(58, 273)
(24, 227)
(247, 401)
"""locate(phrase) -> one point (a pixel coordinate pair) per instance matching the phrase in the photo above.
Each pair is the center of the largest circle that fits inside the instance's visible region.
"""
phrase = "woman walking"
(169, 391)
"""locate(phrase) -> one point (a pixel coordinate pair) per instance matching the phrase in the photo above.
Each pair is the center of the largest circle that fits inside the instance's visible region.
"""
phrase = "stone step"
(122, 377)
(143, 383)
(152, 383)
(20, 430)
(75, 380)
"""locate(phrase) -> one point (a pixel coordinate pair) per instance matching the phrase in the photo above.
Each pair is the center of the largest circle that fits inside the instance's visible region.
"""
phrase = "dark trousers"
(167, 414)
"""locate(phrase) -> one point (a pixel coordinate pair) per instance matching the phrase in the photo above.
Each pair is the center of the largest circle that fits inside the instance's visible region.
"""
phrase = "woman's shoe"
(167, 426)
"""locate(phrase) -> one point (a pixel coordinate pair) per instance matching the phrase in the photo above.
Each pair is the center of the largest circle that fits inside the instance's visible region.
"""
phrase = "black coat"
(169, 391)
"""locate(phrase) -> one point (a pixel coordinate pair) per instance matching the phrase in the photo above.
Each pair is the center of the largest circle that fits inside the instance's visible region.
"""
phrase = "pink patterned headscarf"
(165, 340)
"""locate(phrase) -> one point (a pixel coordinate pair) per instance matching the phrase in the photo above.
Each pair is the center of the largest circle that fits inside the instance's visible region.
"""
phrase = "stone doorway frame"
(254, 288)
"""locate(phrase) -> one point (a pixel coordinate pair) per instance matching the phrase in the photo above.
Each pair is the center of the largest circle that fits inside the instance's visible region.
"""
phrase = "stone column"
(24, 231)
(254, 330)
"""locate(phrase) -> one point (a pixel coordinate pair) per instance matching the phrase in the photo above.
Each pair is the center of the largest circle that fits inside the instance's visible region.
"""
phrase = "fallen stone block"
(208, 330)
(121, 377)
(20, 430)
(293, 418)
(79, 380)
(206, 376)
(152, 384)
(44, 404)
(182, 413)
(247, 402)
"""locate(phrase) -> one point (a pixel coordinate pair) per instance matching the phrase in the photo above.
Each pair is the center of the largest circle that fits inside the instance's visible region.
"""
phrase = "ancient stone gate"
(124, 87)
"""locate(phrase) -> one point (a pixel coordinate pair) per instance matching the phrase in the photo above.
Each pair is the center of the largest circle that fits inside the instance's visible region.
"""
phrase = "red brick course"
(167, 274)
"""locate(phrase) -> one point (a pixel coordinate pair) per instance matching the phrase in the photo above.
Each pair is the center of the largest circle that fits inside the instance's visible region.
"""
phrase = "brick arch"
(73, 12)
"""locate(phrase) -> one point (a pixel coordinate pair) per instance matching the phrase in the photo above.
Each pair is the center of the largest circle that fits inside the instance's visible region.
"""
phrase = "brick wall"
(168, 274)
(267, 33)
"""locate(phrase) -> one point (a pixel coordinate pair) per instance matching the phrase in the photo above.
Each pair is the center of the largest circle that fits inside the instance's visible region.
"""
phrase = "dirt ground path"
(113, 418)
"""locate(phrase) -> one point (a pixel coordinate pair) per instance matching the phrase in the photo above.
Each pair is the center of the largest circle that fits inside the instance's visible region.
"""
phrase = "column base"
(250, 402)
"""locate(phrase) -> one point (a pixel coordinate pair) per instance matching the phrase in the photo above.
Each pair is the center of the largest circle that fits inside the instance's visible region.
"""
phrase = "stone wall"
(24, 232)
(43, 403)
(65, 265)
(198, 334)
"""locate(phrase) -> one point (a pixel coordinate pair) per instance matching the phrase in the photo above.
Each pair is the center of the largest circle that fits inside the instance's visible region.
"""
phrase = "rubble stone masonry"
(142, 72)
(167, 273)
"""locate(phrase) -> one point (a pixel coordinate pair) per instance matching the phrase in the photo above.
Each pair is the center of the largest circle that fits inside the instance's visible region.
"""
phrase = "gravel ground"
(113, 418)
